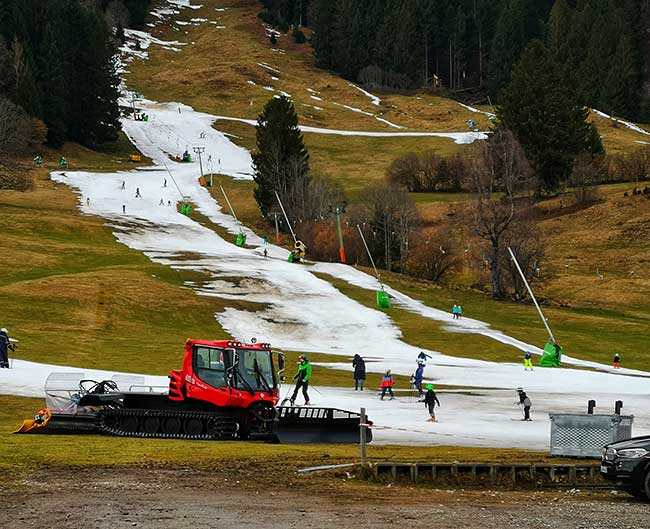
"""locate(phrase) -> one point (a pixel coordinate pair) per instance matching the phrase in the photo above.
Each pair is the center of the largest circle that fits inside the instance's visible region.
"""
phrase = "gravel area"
(184, 498)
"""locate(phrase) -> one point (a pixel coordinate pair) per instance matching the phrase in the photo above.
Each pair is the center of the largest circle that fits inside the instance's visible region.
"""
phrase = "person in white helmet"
(5, 345)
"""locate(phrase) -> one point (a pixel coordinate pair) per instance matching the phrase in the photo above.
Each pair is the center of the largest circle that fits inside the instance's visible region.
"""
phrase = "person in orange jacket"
(387, 384)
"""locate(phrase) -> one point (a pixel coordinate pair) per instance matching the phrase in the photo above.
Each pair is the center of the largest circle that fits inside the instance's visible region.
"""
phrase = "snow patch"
(477, 111)
(268, 67)
(374, 98)
(627, 124)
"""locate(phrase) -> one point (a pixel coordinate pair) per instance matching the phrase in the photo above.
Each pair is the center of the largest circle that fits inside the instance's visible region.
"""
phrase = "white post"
(362, 433)
(229, 204)
(372, 261)
(285, 217)
(539, 310)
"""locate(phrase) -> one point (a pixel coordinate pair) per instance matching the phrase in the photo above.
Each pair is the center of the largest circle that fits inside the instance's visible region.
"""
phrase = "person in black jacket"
(359, 372)
(5, 345)
(430, 401)
(524, 400)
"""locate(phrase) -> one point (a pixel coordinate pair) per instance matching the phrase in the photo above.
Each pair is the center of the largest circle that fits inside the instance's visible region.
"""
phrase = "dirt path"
(110, 498)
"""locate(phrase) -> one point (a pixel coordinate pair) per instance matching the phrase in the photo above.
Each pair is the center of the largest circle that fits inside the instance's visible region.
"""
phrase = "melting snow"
(374, 98)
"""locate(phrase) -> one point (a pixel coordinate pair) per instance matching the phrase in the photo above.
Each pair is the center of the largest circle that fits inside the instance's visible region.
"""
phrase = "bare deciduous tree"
(530, 250)
(427, 172)
(499, 172)
(636, 165)
(16, 127)
(390, 216)
(584, 176)
(433, 258)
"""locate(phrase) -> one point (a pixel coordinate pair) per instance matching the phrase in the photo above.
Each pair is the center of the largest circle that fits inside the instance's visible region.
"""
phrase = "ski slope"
(302, 312)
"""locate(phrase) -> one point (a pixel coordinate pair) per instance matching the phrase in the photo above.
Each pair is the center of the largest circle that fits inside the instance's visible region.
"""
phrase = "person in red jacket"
(387, 384)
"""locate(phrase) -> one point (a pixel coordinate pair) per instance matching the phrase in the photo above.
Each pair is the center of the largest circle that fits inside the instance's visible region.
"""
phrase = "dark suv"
(627, 463)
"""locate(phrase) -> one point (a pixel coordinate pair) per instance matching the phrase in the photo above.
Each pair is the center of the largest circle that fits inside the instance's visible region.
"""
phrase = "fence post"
(362, 433)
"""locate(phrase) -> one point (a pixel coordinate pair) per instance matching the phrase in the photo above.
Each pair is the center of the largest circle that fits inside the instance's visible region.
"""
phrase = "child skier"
(430, 401)
(302, 377)
(528, 362)
(387, 385)
(617, 361)
(524, 401)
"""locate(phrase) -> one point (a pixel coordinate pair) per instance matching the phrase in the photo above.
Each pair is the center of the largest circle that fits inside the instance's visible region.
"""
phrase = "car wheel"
(646, 484)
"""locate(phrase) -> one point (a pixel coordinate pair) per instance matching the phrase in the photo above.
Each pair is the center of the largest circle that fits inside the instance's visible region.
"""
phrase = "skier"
(430, 402)
(87, 201)
(123, 208)
(423, 356)
(460, 312)
(419, 373)
(302, 377)
(454, 311)
(524, 400)
(137, 193)
(165, 183)
(387, 384)
(359, 371)
(617, 361)
(123, 184)
(161, 203)
(5, 345)
(528, 362)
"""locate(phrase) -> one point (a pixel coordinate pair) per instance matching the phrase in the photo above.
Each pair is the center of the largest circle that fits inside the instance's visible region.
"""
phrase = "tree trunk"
(495, 270)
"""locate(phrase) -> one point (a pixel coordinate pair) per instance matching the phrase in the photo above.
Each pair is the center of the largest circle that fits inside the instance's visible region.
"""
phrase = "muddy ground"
(185, 498)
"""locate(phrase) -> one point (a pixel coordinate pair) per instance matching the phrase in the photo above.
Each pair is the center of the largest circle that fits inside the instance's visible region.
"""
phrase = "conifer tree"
(281, 157)
(546, 116)
(53, 89)
(509, 40)
(558, 27)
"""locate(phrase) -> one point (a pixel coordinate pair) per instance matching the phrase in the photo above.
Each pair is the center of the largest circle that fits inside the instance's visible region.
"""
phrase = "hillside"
(120, 280)
(214, 74)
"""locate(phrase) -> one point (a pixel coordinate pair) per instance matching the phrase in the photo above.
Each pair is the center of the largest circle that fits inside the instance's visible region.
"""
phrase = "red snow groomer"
(225, 390)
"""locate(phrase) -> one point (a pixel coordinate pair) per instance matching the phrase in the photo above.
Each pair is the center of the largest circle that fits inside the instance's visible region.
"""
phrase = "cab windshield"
(256, 370)
(216, 367)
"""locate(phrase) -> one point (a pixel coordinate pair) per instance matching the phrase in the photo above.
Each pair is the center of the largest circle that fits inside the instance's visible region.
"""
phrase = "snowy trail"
(458, 137)
(468, 418)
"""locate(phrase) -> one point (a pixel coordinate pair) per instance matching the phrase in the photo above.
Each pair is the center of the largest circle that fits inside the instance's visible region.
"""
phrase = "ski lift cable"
(365, 244)
(530, 291)
(174, 180)
(286, 218)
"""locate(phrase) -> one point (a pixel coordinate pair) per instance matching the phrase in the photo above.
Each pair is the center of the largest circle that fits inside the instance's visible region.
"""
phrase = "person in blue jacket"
(419, 374)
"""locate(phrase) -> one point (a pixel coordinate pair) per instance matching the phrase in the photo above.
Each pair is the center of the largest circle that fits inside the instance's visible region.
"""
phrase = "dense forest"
(58, 69)
(472, 45)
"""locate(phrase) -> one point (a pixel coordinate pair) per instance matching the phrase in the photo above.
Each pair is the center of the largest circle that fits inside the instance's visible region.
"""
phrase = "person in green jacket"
(302, 378)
